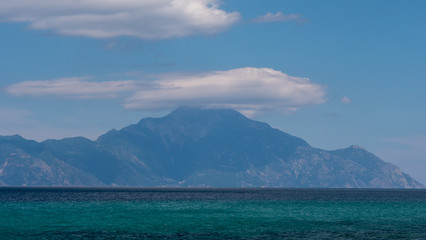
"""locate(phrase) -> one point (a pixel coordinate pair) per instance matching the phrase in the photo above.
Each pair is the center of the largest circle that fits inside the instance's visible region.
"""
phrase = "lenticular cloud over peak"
(145, 19)
(245, 89)
(248, 90)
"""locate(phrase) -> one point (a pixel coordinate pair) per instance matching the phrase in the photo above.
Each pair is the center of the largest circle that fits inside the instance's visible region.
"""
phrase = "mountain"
(193, 147)
(29, 163)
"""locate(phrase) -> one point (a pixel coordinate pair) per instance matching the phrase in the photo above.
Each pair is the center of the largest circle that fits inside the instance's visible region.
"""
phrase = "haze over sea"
(188, 213)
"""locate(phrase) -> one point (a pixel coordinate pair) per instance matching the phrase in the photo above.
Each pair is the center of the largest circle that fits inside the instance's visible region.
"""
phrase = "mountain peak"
(12, 137)
(192, 113)
(195, 123)
(356, 147)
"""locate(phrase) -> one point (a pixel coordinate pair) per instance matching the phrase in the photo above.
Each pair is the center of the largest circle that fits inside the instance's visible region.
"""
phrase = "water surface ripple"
(181, 213)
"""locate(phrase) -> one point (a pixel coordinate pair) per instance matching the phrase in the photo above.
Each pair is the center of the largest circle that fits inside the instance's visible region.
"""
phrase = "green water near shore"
(213, 219)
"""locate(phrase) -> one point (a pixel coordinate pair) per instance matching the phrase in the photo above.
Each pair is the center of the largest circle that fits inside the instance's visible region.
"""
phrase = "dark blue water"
(161, 213)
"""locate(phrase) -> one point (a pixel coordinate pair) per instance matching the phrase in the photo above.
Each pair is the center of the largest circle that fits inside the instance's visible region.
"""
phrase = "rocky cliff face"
(194, 147)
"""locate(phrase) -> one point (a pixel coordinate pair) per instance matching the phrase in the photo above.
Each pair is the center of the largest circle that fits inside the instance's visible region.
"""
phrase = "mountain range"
(193, 147)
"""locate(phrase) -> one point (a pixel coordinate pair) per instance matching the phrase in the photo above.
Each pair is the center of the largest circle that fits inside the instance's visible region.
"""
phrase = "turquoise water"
(212, 214)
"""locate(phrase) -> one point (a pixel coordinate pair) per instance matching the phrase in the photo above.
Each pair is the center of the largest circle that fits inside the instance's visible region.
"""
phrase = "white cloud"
(245, 89)
(278, 17)
(346, 100)
(249, 90)
(146, 19)
(78, 87)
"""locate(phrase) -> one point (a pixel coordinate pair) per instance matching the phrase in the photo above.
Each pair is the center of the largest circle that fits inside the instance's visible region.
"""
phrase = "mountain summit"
(194, 147)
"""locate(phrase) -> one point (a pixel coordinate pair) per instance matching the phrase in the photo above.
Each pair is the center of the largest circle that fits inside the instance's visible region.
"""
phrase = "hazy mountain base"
(193, 147)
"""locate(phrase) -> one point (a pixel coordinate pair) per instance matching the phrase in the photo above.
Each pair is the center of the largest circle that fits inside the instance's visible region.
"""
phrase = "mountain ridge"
(194, 147)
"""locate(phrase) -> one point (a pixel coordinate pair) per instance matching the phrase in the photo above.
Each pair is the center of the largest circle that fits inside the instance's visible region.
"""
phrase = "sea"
(207, 213)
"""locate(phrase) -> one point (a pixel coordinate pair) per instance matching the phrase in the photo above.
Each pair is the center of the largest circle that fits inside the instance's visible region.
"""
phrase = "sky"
(335, 73)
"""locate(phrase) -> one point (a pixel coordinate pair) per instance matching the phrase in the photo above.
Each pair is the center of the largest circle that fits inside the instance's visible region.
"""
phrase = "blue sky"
(335, 73)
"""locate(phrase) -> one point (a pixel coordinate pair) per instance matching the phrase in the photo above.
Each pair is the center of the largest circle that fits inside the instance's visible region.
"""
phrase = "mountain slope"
(27, 163)
(200, 147)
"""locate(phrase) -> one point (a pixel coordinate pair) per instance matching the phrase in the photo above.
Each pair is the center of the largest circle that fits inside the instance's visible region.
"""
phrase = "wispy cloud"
(346, 100)
(79, 87)
(279, 17)
(146, 19)
(245, 89)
